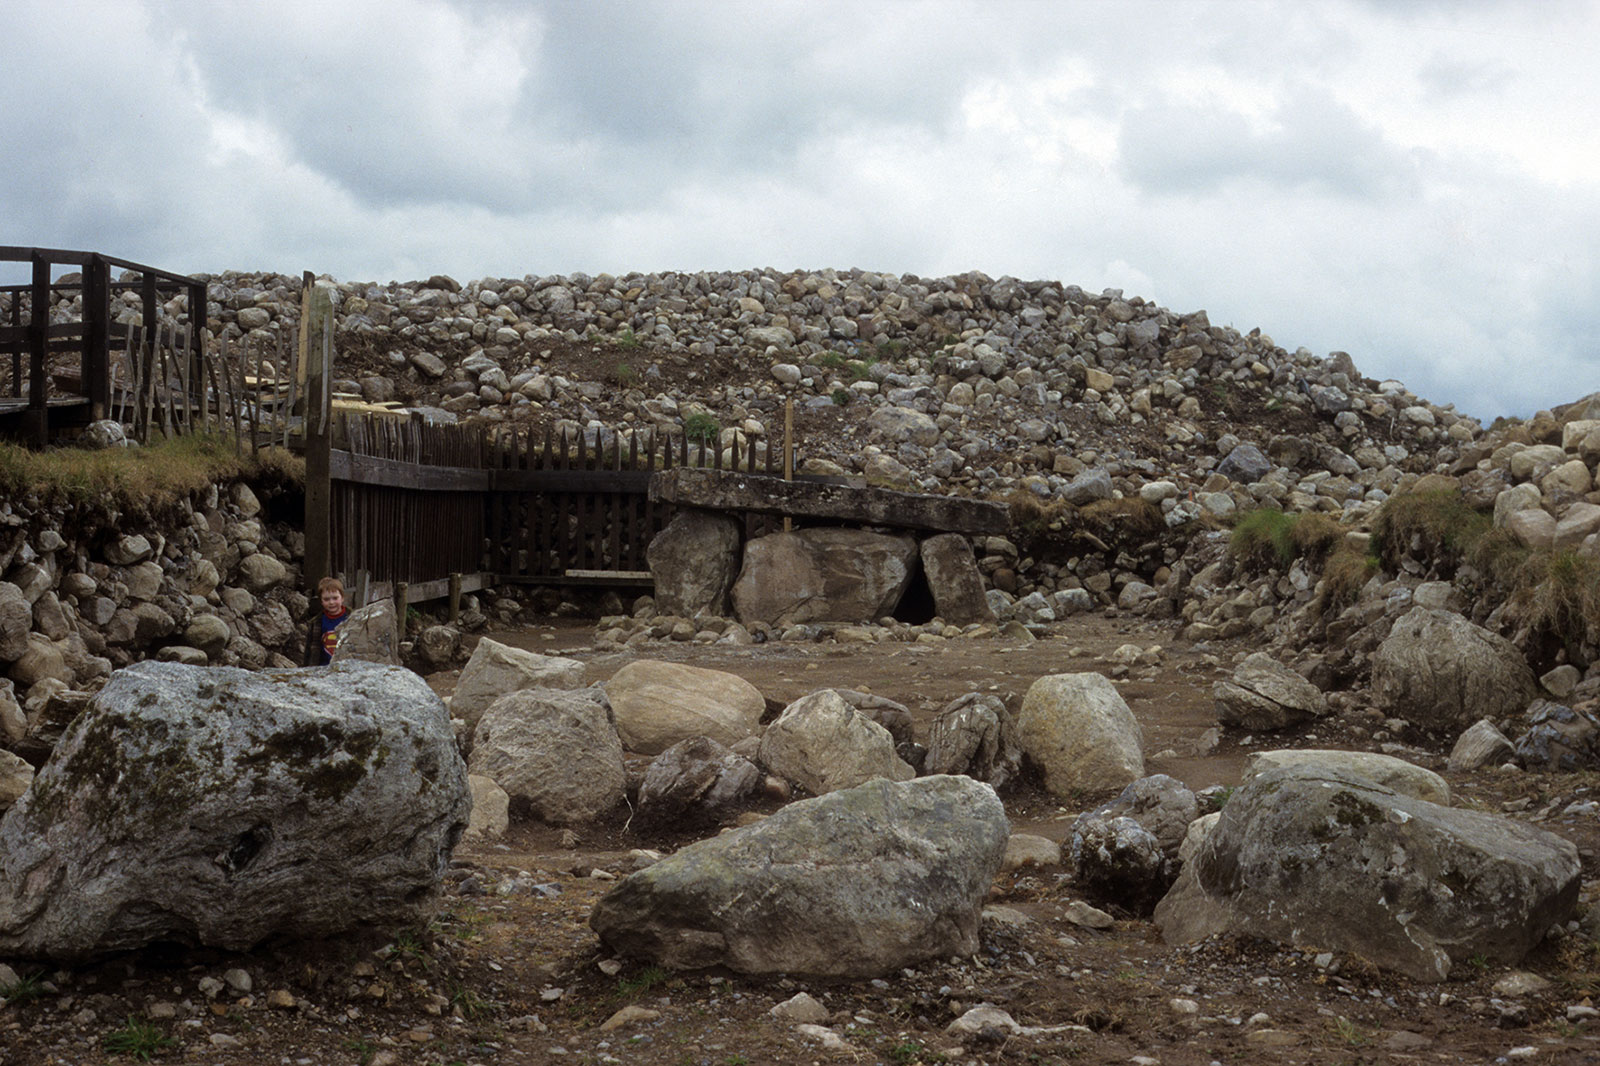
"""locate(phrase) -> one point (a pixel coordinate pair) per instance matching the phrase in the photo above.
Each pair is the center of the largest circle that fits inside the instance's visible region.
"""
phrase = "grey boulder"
(555, 751)
(822, 575)
(1305, 855)
(1442, 673)
(857, 883)
(694, 562)
(1265, 695)
(975, 735)
(823, 744)
(216, 806)
(696, 781)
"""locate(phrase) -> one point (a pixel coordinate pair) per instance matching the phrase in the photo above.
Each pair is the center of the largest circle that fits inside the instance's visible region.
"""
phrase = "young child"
(322, 632)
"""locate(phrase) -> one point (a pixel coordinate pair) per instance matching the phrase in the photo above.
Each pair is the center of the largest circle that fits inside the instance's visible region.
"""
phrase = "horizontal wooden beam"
(722, 490)
(437, 589)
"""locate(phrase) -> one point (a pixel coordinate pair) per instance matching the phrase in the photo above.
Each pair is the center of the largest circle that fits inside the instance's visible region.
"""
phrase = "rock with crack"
(858, 883)
(1117, 860)
(1306, 855)
(696, 781)
(1265, 695)
(496, 669)
(370, 634)
(975, 735)
(215, 806)
(694, 562)
(823, 575)
(823, 744)
(555, 751)
(1440, 672)
(1160, 804)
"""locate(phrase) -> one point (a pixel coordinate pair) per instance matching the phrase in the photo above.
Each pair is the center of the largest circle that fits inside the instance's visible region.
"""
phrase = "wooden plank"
(728, 491)
(393, 473)
(422, 591)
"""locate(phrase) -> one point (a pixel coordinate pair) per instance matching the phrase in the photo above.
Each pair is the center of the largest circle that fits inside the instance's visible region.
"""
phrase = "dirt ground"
(507, 971)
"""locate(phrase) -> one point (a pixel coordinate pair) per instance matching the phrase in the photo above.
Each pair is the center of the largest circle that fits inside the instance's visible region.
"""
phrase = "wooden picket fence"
(413, 504)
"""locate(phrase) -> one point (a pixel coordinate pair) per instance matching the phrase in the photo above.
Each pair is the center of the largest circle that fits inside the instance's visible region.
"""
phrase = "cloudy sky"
(1416, 183)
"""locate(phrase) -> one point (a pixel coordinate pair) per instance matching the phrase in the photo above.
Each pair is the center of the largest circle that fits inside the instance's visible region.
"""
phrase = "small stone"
(629, 1015)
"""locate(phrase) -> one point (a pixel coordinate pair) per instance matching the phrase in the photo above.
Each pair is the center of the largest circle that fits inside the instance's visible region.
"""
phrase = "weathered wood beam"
(731, 491)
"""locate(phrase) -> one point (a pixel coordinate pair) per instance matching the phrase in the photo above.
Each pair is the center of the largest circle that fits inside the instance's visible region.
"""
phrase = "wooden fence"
(412, 503)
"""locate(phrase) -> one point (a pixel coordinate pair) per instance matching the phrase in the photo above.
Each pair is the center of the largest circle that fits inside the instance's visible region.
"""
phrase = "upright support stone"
(316, 362)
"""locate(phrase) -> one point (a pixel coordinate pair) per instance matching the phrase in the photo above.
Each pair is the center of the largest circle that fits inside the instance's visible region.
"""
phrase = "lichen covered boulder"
(219, 807)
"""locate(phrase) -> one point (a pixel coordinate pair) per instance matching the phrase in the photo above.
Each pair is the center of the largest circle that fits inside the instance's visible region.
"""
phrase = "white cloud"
(1412, 183)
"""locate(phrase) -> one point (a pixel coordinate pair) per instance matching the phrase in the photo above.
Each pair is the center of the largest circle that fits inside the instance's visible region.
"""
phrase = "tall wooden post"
(38, 352)
(97, 337)
(316, 359)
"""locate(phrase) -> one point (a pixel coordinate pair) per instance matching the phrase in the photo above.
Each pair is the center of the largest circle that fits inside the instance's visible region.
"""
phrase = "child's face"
(332, 601)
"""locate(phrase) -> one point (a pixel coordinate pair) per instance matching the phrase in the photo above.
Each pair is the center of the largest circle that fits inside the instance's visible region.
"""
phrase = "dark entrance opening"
(916, 604)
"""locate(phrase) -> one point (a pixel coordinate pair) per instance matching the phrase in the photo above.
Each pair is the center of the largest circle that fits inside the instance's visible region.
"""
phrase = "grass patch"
(26, 988)
(641, 982)
(626, 339)
(702, 427)
(1346, 573)
(1439, 526)
(141, 482)
(138, 1039)
(1267, 537)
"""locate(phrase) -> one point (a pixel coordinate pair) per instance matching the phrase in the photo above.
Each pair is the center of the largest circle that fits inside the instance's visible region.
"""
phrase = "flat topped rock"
(734, 491)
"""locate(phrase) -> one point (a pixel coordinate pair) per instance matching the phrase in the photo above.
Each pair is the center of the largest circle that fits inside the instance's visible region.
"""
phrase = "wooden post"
(38, 348)
(455, 598)
(402, 589)
(97, 337)
(316, 337)
(363, 583)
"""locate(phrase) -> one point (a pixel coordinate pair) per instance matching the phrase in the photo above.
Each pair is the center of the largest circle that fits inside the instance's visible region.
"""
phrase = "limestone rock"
(1480, 745)
(1291, 860)
(1162, 805)
(1403, 777)
(694, 562)
(954, 579)
(370, 634)
(16, 622)
(491, 809)
(1441, 672)
(1265, 695)
(657, 704)
(217, 806)
(975, 735)
(1080, 732)
(856, 883)
(823, 744)
(554, 751)
(822, 575)
(496, 669)
(696, 781)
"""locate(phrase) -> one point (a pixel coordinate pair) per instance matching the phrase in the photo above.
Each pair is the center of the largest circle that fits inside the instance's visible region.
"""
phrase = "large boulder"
(975, 735)
(496, 669)
(657, 704)
(858, 883)
(1305, 855)
(694, 562)
(954, 579)
(554, 751)
(823, 744)
(218, 806)
(370, 634)
(16, 622)
(1406, 778)
(696, 781)
(1078, 730)
(1264, 695)
(823, 575)
(1442, 673)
